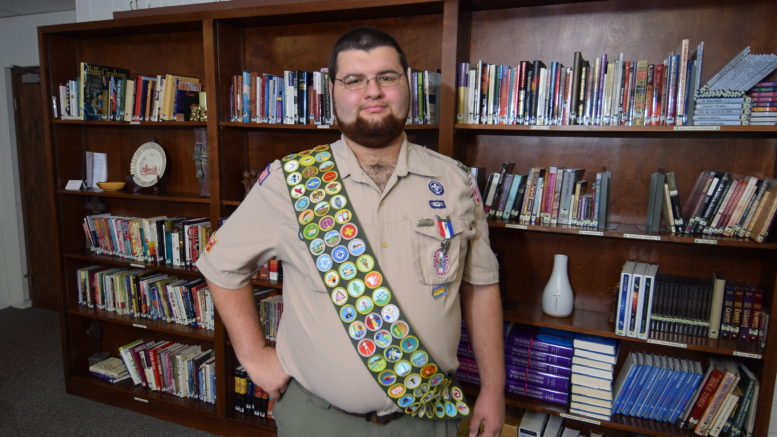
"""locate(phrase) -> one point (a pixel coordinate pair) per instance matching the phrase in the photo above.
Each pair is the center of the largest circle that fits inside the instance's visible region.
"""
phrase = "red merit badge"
(366, 347)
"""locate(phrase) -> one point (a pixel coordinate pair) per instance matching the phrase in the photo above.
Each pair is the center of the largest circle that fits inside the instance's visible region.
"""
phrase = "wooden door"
(28, 113)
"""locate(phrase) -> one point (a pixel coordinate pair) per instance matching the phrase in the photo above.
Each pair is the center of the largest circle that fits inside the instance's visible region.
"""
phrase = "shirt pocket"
(433, 264)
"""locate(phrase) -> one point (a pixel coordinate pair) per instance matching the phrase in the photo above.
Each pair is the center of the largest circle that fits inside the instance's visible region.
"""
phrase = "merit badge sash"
(362, 297)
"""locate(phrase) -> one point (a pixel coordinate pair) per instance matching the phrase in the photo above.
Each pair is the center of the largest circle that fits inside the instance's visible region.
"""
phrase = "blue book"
(648, 397)
(664, 393)
(640, 386)
(681, 386)
(689, 394)
(628, 390)
(628, 370)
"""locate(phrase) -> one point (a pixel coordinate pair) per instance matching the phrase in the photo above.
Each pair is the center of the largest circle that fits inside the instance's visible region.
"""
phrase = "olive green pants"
(300, 413)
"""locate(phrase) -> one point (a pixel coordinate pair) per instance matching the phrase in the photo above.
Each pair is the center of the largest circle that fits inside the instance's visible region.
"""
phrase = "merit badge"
(457, 394)
(339, 253)
(332, 238)
(428, 370)
(338, 201)
(413, 380)
(402, 368)
(393, 354)
(321, 147)
(450, 409)
(329, 176)
(321, 209)
(290, 166)
(310, 231)
(324, 262)
(381, 296)
(348, 231)
(400, 329)
(307, 160)
(462, 408)
(373, 321)
(294, 178)
(298, 191)
(366, 347)
(309, 172)
(373, 279)
(439, 291)
(313, 183)
(306, 216)
(333, 188)
(263, 175)
(406, 400)
(356, 288)
(323, 156)
(437, 204)
(365, 263)
(356, 247)
(439, 409)
(364, 305)
(376, 363)
(339, 296)
(419, 358)
(347, 271)
(409, 344)
(326, 166)
(440, 262)
(387, 377)
(317, 195)
(326, 223)
(348, 314)
(390, 313)
(357, 330)
(436, 188)
(331, 279)
(383, 339)
(289, 157)
(436, 380)
(301, 203)
(396, 390)
(343, 216)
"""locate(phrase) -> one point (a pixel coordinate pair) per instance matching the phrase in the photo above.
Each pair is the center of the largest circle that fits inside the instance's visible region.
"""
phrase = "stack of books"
(270, 312)
(248, 398)
(635, 299)
(593, 365)
(722, 111)
(763, 109)
(110, 369)
(538, 363)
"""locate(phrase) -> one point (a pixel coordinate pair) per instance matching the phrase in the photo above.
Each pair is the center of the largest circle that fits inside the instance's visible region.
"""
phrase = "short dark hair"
(366, 39)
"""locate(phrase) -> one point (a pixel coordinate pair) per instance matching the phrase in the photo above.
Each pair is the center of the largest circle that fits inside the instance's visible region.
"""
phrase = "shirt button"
(382, 202)
(384, 244)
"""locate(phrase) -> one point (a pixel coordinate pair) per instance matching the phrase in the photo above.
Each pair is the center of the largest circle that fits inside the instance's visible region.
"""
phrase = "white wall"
(18, 46)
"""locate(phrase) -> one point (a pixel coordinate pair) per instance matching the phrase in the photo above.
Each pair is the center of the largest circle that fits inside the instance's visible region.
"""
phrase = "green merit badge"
(373, 319)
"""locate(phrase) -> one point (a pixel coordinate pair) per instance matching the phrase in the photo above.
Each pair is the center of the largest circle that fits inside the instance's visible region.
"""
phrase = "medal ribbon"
(373, 319)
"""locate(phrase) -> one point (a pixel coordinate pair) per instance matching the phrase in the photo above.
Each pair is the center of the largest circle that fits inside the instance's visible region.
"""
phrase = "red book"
(756, 320)
(702, 401)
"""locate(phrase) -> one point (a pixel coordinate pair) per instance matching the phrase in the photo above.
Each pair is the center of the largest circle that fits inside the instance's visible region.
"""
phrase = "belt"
(373, 416)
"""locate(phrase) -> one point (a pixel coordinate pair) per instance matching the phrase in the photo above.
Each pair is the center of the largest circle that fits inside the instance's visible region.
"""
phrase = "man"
(415, 236)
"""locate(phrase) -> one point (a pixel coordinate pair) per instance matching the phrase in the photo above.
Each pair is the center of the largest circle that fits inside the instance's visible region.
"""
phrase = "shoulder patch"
(263, 175)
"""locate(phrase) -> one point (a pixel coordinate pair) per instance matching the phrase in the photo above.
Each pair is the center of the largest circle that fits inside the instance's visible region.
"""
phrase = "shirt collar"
(411, 160)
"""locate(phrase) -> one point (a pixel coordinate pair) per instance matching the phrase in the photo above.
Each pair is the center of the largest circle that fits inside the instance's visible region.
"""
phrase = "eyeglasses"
(384, 80)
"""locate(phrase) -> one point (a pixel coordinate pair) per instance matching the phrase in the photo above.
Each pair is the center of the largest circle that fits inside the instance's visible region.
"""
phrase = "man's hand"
(489, 412)
(266, 372)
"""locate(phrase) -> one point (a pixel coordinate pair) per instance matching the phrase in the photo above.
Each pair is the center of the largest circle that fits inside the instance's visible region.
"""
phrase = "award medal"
(362, 296)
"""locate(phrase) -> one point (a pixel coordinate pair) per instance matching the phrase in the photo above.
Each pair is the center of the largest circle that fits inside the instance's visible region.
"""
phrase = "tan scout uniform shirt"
(312, 345)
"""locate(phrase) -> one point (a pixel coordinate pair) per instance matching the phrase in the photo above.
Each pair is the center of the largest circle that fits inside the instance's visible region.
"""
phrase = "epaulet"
(462, 166)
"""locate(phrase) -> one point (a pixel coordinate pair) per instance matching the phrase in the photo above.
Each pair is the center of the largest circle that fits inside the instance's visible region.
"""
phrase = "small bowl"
(111, 186)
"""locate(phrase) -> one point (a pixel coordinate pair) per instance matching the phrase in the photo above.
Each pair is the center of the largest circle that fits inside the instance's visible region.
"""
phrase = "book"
(97, 101)
(624, 298)
(602, 345)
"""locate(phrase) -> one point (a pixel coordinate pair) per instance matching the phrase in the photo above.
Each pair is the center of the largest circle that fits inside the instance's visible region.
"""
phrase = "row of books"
(302, 97)
(731, 205)
(757, 108)
(601, 92)
(270, 310)
(763, 104)
(650, 305)
(722, 400)
(146, 294)
(111, 93)
(248, 398)
(549, 196)
(181, 370)
(271, 271)
(173, 241)
(539, 424)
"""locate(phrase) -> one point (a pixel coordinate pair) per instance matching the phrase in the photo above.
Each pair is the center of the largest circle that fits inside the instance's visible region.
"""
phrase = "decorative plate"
(148, 164)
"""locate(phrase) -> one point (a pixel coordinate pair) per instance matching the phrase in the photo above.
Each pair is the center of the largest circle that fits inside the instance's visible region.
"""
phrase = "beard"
(375, 134)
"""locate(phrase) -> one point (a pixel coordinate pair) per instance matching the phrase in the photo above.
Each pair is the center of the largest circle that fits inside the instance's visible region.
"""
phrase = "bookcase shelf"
(216, 44)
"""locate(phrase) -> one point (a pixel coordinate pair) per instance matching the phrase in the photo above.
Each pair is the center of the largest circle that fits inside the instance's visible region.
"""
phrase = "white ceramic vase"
(558, 300)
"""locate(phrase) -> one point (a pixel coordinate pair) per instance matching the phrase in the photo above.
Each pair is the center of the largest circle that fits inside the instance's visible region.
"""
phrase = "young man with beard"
(384, 244)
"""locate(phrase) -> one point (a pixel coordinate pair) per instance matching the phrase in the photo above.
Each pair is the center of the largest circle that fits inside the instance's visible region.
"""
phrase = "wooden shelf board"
(303, 127)
(636, 232)
(163, 197)
(152, 325)
(640, 130)
(597, 323)
(101, 123)
(113, 260)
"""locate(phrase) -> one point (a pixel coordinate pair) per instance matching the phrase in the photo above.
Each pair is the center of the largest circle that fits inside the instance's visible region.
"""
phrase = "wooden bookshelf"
(215, 43)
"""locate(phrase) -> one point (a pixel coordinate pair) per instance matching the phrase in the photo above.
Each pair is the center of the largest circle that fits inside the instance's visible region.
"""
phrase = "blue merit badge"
(439, 291)
(436, 188)
(437, 204)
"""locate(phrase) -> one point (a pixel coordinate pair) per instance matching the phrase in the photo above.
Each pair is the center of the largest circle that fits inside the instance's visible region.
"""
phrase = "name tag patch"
(437, 204)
